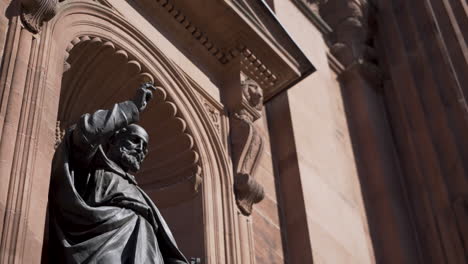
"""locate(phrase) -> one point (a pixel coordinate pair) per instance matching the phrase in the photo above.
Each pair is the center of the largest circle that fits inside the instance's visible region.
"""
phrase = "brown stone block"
(267, 236)
(342, 179)
(269, 209)
(46, 137)
(342, 220)
(329, 251)
(33, 249)
(39, 191)
(267, 257)
(267, 180)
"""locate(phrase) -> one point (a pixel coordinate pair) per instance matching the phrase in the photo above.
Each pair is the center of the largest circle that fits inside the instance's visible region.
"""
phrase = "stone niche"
(97, 74)
(69, 57)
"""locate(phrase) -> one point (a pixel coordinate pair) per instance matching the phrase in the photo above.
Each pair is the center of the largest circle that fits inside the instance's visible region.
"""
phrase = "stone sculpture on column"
(98, 214)
(247, 146)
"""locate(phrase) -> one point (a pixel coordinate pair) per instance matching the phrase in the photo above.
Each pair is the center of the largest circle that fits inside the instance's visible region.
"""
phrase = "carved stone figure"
(247, 146)
(98, 214)
(253, 93)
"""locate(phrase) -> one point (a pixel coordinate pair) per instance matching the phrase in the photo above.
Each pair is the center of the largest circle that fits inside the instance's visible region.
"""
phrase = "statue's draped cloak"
(98, 214)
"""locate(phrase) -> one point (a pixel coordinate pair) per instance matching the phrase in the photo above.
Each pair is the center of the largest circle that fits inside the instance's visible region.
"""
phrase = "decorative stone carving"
(252, 92)
(59, 134)
(247, 149)
(247, 146)
(213, 113)
(35, 12)
(256, 69)
(105, 3)
(196, 32)
(250, 63)
(351, 40)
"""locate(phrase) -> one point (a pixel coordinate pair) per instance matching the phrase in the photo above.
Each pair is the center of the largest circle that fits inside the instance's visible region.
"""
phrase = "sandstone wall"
(331, 193)
(267, 227)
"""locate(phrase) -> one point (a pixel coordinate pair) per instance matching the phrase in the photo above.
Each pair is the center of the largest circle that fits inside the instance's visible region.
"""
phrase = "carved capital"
(350, 21)
(35, 12)
(351, 40)
(247, 146)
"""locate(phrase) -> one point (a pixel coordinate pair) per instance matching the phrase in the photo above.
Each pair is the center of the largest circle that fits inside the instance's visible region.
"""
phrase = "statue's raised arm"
(96, 129)
(98, 214)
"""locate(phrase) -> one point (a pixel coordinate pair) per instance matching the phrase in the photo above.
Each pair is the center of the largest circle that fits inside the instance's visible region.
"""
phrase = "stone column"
(13, 104)
(296, 236)
(351, 43)
(18, 122)
(243, 99)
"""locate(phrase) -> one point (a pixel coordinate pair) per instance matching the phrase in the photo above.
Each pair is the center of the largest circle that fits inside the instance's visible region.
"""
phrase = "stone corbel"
(351, 41)
(35, 12)
(247, 146)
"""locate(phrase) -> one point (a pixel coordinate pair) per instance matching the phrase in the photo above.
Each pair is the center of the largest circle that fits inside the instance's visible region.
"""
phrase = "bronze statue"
(98, 214)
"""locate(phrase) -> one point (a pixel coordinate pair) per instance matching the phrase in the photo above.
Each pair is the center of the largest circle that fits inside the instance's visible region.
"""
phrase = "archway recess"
(93, 58)
(98, 74)
(46, 34)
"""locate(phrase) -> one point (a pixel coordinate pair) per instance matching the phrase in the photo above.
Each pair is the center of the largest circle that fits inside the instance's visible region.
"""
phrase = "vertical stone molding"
(351, 44)
(17, 150)
(35, 12)
(247, 146)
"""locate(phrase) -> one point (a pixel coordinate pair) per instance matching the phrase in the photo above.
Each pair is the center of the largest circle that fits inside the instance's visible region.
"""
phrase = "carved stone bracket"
(247, 149)
(247, 146)
(35, 12)
(351, 41)
(348, 19)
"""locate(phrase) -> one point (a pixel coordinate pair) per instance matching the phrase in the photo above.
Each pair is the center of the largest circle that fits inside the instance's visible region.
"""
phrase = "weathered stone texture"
(267, 230)
(331, 187)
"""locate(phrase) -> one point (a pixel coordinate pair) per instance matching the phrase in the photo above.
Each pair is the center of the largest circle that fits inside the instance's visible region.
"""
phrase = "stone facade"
(286, 131)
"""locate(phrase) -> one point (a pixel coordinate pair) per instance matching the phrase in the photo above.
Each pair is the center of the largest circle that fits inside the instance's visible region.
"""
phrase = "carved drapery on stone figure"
(247, 146)
(35, 12)
(98, 213)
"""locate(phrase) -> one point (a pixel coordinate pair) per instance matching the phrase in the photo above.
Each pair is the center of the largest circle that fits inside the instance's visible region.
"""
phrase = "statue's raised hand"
(143, 96)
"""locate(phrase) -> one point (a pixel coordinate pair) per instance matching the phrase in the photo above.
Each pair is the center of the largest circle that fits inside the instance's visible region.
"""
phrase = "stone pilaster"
(351, 43)
(17, 145)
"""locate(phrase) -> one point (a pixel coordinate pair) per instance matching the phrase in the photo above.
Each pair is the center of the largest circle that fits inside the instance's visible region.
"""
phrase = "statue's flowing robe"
(98, 214)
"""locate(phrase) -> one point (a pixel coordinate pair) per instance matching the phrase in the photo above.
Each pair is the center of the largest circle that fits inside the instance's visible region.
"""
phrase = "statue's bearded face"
(129, 148)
